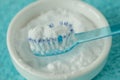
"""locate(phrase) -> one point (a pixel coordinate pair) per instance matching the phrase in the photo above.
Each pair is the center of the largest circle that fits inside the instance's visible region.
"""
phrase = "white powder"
(75, 60)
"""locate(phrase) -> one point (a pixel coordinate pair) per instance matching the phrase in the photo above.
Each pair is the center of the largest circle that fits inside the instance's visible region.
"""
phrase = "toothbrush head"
(51, 39)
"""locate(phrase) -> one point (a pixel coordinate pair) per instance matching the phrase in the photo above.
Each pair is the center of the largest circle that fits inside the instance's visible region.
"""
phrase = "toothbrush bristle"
(50, 46)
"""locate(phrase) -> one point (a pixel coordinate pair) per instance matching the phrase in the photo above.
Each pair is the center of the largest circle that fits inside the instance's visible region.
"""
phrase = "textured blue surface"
(8, 9)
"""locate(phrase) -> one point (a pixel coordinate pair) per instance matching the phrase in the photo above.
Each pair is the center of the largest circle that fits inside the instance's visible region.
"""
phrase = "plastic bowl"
(34, 9)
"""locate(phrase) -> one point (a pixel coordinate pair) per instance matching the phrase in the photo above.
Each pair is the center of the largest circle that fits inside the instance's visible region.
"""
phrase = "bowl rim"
(100, 59)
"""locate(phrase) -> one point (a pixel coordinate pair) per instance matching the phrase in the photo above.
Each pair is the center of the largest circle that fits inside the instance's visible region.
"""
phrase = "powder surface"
(75, 60)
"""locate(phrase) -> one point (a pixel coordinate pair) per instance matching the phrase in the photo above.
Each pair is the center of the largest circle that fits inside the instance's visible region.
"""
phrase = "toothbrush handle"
(98, 33)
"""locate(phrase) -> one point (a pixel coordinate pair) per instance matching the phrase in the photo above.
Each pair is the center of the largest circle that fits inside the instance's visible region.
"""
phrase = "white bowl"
(34, 9)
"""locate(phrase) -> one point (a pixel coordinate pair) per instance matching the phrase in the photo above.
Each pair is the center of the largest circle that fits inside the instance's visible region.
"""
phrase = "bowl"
(36, 8)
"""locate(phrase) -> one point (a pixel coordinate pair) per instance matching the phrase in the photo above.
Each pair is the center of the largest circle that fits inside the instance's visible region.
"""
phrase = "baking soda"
(77, 59)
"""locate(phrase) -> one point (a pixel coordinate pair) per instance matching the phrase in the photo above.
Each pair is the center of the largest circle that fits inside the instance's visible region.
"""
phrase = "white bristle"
(68, 40)
(45, 46)
(32, 45)
(36, 47)
(42, 44)
(41, 47)
(51, 45)
(48, 46)
(63, 43)
(56, 44)
(71, 39)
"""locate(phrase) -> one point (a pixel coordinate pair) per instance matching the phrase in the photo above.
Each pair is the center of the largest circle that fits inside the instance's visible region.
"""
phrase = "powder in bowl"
(77, 59)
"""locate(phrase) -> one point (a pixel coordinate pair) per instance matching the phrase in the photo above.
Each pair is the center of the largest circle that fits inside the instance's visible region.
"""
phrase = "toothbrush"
(72, 40)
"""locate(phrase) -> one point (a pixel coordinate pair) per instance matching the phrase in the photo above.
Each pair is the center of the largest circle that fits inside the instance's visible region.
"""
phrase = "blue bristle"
(60, 39)
(70, 25)
(66, 23)
(48, 40)
(71, 30)
(39, 40)
(54, 39)
(29, 39)
(69, 34)
(35, 41)
(61, 22)
(43, 40)
(51, 25)
(64, 36)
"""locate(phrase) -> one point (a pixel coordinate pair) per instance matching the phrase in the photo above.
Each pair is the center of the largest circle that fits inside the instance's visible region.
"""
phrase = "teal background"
(9, 8)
